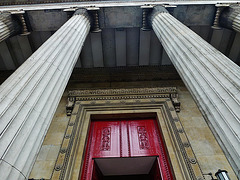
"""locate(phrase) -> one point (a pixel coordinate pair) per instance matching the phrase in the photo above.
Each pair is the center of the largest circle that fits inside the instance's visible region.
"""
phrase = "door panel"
(125, 138)
(106, 139)
(143, 138)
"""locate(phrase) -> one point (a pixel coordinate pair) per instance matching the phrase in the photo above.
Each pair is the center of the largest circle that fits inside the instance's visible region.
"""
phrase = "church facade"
(119, 90)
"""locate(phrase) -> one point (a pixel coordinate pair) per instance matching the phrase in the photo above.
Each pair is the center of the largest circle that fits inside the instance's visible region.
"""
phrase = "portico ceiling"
(114, 47)
(121, 42)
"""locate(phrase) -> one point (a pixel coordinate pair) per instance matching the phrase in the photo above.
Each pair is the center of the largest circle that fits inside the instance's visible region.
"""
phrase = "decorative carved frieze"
(122, 94)
(159, 90)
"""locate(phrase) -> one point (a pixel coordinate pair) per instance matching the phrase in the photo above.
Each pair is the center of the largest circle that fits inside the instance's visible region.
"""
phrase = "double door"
(125, 148)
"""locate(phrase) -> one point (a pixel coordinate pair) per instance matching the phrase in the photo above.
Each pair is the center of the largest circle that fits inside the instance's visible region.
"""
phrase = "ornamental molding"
(143, 137)
(106, 139)
(122, 94)
(76, 128)
(157, 90)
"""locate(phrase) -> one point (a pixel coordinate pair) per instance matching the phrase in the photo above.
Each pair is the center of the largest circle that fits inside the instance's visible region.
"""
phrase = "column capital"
(92, 15)
(81, 11)
(9, 26)
(230, 17)
(157, 10)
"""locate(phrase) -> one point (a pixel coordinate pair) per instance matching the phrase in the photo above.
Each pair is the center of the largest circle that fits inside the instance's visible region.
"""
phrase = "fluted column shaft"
(30, 96)
(212, 79)
(230, 18)
(8, 26)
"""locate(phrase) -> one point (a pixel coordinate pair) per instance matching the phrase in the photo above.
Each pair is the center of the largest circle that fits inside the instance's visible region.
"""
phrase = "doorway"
(125, 149)
(141, 168)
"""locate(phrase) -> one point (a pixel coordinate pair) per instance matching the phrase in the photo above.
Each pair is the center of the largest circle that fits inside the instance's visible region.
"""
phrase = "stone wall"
(207, 151)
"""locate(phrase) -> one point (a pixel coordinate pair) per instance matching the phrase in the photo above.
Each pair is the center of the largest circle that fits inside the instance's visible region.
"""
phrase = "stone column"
(8, 26)
(30, 96)
(230, 18)
(212, 78)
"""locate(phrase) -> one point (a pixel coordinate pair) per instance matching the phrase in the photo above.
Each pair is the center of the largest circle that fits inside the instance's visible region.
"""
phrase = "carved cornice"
(122, 94)
(119, 92)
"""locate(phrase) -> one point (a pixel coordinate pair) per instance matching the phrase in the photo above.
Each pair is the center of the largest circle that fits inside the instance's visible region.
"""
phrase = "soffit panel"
(109, 49)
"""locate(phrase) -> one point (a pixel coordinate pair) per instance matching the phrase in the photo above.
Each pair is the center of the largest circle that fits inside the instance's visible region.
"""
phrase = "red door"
(125, 138)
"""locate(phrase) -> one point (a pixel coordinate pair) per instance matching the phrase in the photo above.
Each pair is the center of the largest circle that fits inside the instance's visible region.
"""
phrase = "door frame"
(132, 152)
(159, 103)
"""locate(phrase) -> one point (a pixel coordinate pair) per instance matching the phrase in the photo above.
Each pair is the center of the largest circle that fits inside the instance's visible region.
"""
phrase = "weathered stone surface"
(29, 97)
(190, 117)
(212, 79)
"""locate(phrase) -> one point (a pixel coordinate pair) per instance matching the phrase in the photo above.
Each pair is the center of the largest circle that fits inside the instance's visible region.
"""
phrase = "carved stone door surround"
(159, 103)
